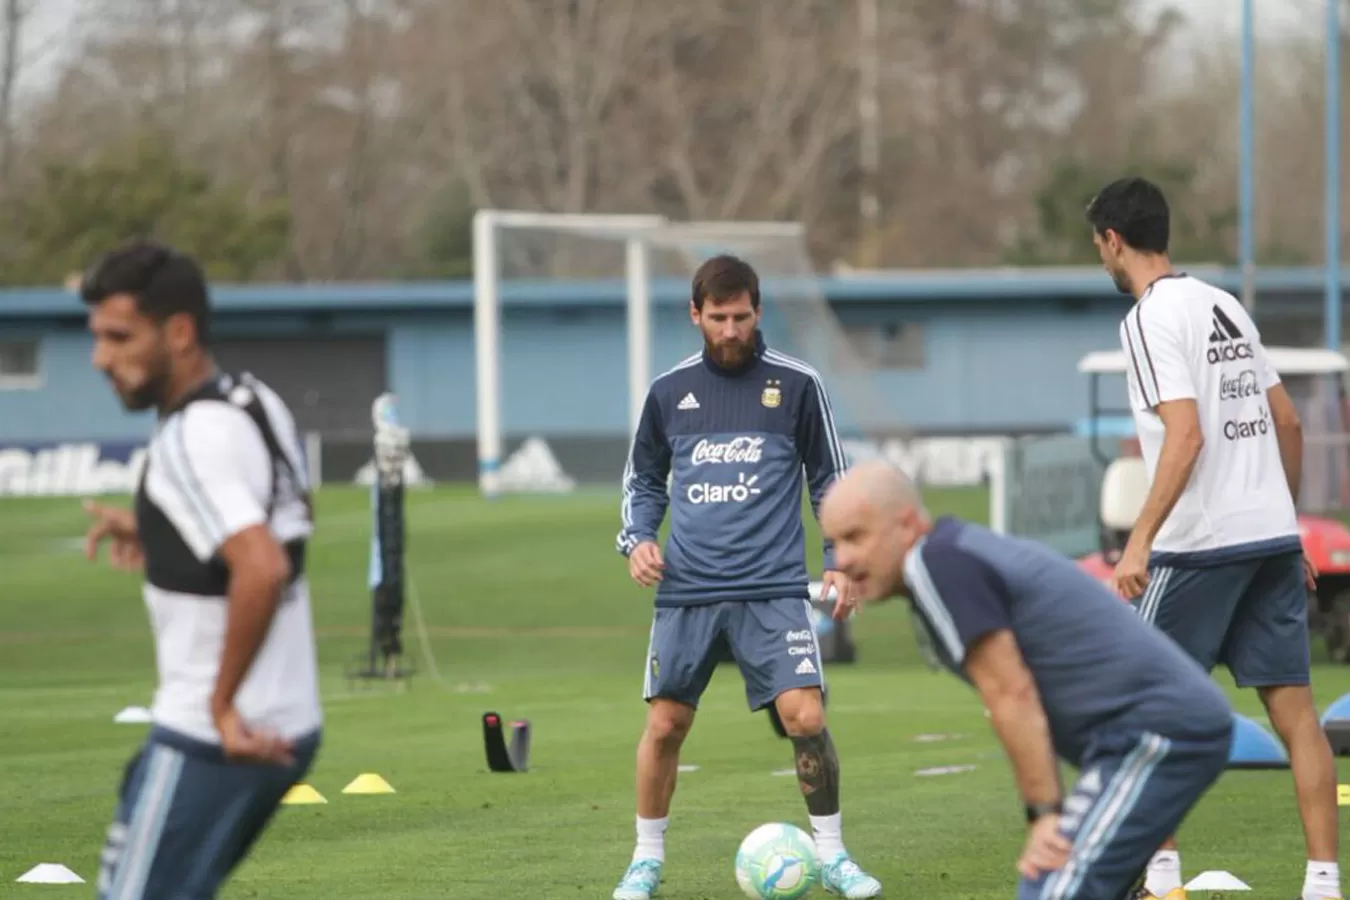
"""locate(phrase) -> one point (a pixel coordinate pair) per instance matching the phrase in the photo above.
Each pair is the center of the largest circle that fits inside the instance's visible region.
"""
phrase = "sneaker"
(1142, 893)
(640, 881)
(842, 876)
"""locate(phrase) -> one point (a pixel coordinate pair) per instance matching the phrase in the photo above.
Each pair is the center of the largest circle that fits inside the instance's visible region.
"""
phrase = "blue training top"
(1097, 665)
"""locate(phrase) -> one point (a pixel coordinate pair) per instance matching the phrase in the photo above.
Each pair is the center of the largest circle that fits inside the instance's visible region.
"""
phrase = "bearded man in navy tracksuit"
(733, 428)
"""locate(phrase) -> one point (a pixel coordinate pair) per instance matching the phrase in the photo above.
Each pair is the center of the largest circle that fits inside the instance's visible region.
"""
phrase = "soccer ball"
(777, 862)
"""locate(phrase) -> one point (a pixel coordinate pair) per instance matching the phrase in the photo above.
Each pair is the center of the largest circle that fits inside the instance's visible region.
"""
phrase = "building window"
(887, 345)
(19, 365)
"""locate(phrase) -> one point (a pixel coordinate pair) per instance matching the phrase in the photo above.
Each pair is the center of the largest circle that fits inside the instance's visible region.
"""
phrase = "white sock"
(1322, 882)
(651, 839)
(1164, 873)
(828, 835)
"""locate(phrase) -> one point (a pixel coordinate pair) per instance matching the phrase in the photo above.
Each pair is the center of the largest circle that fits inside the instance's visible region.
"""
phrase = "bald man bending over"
(1055, 657)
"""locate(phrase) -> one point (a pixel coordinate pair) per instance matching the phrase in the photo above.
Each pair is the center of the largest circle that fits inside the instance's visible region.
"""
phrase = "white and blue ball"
(777, 861)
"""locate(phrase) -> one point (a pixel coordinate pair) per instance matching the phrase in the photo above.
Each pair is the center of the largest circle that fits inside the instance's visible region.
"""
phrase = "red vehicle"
(1316, 381)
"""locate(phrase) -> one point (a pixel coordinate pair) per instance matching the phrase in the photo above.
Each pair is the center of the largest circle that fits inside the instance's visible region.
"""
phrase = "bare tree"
(370, 118)
(11, 33)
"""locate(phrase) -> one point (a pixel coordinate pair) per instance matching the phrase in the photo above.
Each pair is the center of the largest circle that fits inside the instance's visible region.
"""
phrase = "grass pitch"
(529, 611)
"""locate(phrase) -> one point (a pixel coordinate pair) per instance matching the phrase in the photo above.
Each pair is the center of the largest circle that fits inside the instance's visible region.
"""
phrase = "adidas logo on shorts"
(806, 667)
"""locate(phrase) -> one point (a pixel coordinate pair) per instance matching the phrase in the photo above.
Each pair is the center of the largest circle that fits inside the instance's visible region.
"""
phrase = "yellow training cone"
(302, 793)
(369, 783)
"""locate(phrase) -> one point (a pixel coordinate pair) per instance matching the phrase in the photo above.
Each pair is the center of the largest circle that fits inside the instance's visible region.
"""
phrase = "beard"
(139, 398)
(1122, 282)
(729, 354)
(149, 392)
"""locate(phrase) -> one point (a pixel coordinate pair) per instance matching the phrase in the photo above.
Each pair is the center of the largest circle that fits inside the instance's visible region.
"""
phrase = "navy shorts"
(772, 641)
(1133, 792)
(186, 817)
(1250, 615)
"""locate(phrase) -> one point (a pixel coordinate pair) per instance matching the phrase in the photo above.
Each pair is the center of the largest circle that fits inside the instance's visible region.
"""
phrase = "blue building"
(971, 352)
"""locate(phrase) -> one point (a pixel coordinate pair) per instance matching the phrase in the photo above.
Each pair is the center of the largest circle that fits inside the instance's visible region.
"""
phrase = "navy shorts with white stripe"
(185, 817)
(1133, 792)
(1249, 614)
(772, 641)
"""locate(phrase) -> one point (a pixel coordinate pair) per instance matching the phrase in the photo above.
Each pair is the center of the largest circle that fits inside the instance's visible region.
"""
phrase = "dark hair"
(1135, 209)
(163, 281)
(724, 278)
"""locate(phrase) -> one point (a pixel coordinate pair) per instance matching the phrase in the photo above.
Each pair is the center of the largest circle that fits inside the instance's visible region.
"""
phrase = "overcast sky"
(55, 24)
(1280, 15)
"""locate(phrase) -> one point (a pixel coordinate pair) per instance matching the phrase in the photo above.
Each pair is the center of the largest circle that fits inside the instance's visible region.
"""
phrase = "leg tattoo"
(818, 773)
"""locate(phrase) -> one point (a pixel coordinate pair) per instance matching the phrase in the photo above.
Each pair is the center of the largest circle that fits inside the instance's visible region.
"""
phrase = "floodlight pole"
(1332, 189)
(1246, 148)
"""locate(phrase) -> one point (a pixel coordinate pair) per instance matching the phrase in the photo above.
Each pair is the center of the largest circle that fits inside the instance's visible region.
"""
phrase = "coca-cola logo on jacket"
(736, 450)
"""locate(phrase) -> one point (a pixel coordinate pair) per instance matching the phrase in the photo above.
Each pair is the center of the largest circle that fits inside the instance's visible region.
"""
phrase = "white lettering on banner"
(736, 450)
(940, 462)
(723, 493)
(65, 469)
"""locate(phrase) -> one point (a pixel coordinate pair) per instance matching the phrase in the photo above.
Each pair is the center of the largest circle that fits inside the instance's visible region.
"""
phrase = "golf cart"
(1315, 381)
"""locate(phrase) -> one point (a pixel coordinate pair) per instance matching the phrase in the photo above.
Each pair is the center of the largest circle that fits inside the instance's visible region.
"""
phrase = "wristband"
(1036, 810)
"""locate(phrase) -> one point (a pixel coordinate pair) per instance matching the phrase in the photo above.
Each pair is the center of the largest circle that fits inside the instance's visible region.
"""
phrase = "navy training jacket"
(734, 447)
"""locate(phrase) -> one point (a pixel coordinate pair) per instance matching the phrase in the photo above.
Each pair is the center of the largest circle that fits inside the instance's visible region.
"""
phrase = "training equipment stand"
(383, 660)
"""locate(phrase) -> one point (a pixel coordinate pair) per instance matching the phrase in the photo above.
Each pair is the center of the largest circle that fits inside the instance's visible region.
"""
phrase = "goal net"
(575, 315)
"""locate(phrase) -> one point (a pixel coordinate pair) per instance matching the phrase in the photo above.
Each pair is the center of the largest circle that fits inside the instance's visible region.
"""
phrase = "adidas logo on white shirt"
(806, 667)
(1225, 329)
(689, 402)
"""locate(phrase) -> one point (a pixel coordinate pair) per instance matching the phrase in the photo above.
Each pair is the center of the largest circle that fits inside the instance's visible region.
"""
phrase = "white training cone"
(1216, 881)
(50, 873)
(133, 715)
(945, 770)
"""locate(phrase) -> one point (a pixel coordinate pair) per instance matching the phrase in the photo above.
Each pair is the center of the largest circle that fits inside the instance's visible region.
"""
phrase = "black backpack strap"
(240, 393)
(243, 395)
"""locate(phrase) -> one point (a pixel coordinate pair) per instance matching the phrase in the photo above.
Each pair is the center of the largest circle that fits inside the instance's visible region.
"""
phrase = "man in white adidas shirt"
(220, 525)
(1215, 560)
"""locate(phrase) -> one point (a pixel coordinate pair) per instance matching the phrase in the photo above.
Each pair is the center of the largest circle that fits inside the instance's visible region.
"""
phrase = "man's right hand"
(118, 526)
(1309, 572)
(645, 564)
(1046, 850)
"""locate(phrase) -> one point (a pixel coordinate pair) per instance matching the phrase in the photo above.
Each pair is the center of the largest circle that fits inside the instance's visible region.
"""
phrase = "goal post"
(534, 250)
(487, 225)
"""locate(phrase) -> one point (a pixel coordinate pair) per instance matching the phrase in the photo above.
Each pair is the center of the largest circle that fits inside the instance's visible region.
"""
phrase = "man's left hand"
(844, 603)
(1131, 574)
(243, 744)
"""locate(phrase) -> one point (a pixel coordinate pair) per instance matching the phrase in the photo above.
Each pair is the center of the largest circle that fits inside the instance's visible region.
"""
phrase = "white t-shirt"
(1188, 339)
(209, 476)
